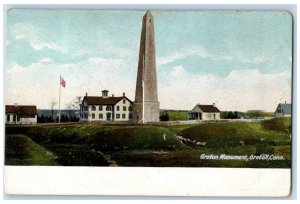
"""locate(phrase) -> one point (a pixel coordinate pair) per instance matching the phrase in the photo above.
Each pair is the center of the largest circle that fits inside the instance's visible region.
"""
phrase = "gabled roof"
(21, 110)
(99, 100)
(285, 107)
(207, 108)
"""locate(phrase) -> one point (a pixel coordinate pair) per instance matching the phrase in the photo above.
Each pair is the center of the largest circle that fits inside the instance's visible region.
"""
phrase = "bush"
(278, 124)
(164, 117)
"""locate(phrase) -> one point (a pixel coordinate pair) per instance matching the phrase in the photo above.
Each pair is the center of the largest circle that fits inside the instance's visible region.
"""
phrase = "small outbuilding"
(283, 110)
(204, 112)
(19, 114)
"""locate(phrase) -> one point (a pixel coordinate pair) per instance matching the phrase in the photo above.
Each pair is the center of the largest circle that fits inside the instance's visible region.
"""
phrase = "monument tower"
(146, 105)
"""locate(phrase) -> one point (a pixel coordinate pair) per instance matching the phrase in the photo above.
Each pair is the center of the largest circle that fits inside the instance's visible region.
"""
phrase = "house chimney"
(123, 94)
(85, 93)
(112, 95)
(214, 105)
(16, 104)
(284, 101)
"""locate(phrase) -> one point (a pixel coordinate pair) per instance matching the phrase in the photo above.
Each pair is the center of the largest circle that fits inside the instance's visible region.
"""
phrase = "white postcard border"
(45, 180)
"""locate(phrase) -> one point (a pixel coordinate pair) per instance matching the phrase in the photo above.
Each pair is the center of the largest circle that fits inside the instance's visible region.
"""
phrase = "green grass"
(275, 131)
(21, 150)
(137, 145)
(108, 138)
(178, 128)
(176, 115)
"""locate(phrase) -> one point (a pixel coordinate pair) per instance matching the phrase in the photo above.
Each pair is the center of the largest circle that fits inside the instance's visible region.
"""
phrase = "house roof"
(99, 100)
(286, 107)
(208, 108)
(21, 110)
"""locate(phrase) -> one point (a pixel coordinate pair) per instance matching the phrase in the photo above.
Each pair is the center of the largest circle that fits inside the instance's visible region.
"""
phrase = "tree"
(255, 113)
(72, 108)
(164, 117)
(231, 115)
(76, 104)
(52, 104)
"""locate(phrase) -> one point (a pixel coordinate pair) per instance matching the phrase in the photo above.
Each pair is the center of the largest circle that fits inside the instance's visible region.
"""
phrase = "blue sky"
(238, 60)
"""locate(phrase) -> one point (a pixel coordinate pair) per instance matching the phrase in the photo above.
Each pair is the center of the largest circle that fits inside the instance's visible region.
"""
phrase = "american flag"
(62, 82)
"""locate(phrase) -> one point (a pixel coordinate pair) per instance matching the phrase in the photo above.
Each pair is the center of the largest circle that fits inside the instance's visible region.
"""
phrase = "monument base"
(151, 113)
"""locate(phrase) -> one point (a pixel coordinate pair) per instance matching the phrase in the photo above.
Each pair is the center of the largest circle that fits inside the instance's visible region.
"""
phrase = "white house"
(16, 114)
(283, 110)
(106, 108)
(204, 112)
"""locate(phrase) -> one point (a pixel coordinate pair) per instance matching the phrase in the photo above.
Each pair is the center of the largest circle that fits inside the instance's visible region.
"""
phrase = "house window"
(93, 116)
(123, 116)
(118, 108)
(130, 108)
(214, 116)
(118, 116)
(100, 108)
(100, 116)
(18, 118)
(108, 108)
(7, 117)
(130, 116)
(14, 118)
(108, 116)
(93, 108)
(124, 108)
(124, 101)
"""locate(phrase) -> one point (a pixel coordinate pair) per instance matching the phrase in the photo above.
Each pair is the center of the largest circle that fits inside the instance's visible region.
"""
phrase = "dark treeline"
(230, 115)
(49, 119)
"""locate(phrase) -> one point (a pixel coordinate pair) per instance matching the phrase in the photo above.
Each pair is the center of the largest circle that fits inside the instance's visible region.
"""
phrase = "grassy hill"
(21, 150)
(154, 145)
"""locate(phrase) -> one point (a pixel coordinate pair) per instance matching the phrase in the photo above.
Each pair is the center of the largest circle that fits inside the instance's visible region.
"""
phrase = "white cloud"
(169, 59)
(27, 32)
(177, 71)
(240, 90)
(45, 60)
(81, 52)
(260, 58)
(191, 51)
(199, 51)
(39, 83)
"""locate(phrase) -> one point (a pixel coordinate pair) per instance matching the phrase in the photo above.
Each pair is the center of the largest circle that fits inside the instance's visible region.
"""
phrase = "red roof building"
(20, 114)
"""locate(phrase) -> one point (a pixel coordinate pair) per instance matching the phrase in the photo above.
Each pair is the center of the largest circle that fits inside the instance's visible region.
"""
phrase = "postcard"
(152, 102)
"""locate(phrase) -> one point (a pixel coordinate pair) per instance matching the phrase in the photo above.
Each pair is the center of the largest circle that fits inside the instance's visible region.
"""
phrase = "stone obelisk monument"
(146, 105)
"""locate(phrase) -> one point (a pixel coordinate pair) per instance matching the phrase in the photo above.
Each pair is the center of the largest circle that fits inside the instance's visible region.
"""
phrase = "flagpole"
(59, 98)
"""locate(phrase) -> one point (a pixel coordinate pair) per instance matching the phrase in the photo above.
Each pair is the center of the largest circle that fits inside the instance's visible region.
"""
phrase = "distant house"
(283, 110)
(204, 112)
(18, 114)
(106, 108)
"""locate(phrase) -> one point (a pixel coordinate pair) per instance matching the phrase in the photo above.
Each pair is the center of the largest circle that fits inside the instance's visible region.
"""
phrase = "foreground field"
(152, 145)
